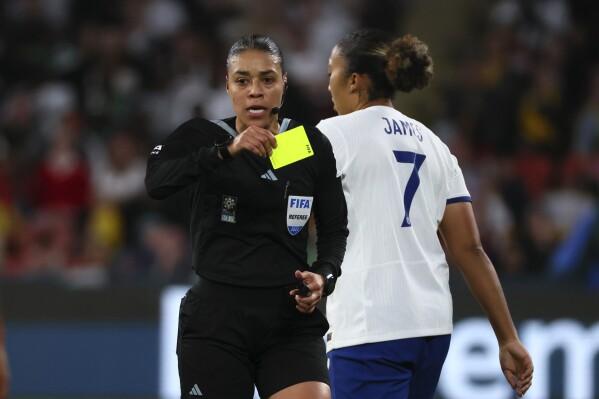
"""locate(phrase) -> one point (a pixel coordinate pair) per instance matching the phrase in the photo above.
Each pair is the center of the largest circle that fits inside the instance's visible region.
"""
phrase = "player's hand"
(257, 140)
(517, 366)
(314, 284)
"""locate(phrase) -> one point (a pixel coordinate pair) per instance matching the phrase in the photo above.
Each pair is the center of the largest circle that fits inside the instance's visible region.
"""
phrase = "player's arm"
(462, 241)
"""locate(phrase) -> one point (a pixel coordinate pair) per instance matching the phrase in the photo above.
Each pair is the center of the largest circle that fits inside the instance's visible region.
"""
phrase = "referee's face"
(255, 83)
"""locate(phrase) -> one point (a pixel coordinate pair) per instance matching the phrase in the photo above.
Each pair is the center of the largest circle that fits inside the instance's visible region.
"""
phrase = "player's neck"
(386, 102)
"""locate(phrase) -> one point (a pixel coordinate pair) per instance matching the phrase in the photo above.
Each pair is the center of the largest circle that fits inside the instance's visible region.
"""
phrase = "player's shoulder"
(340, 127)
(426, 131)
(341, 120)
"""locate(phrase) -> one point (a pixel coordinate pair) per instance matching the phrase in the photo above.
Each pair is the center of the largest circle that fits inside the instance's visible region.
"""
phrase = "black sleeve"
(330, 215)
(183, 158)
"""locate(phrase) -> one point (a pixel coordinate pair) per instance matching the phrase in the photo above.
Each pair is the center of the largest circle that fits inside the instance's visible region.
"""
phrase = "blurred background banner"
(103, 344)
(87, 88)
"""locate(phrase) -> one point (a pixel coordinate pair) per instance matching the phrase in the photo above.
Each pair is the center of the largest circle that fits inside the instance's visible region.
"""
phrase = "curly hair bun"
(409, 65)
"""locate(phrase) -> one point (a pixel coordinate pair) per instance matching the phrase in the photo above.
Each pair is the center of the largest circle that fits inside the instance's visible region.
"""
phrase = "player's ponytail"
(392, 64)
(409, 65)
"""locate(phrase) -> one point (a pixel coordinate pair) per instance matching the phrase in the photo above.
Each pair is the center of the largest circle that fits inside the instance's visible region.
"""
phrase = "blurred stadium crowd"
(87, 88)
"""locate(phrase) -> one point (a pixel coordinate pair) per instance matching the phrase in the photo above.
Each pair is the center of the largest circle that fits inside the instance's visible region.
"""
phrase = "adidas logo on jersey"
(269, 175)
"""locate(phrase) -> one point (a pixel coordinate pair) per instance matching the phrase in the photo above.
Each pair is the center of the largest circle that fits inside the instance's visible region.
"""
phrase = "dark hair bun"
(409, 66)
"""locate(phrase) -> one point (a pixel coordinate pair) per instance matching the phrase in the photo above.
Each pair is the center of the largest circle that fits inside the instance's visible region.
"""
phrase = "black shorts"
(231, 338)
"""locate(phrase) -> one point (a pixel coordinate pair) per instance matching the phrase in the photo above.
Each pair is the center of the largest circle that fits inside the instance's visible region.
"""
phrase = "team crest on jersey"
(227, 213)
(298, 212)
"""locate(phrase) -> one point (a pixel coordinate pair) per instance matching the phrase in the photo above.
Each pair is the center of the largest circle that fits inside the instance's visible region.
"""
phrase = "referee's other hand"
(315, 283)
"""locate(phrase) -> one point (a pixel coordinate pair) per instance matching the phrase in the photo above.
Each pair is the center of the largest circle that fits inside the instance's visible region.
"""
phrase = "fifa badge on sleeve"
(227, 213)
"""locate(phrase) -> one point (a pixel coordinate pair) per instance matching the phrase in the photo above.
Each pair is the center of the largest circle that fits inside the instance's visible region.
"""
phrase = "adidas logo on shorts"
(195, 391)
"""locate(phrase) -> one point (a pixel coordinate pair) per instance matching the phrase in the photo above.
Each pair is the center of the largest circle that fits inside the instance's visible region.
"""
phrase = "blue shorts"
(400, 369)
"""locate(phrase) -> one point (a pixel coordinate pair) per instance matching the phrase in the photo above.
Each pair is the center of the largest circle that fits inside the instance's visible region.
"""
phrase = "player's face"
(339, 84)
(255, 83)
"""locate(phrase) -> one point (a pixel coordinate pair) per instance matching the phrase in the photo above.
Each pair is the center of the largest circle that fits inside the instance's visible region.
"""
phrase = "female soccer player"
(391, 315)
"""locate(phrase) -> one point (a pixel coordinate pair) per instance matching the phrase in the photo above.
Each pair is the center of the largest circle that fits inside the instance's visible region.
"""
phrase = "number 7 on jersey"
(413, 182)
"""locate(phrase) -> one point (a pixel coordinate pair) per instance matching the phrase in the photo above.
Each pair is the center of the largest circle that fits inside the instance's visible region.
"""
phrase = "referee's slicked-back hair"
(392, 63)
(259, 43)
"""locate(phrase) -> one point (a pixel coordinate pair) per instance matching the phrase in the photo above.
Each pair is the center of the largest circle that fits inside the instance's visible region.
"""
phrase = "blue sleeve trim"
(465, 198)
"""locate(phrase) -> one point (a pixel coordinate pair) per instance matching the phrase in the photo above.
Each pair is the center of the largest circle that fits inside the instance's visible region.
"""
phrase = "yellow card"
(292, 146)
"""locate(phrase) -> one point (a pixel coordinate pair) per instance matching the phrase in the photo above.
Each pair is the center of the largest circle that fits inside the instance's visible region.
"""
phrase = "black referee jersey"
(246, 216)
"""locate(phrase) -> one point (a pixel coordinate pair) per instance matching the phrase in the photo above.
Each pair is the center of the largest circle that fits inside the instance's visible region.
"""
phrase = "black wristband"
(224, 153)
(223, 147)
(329, 284)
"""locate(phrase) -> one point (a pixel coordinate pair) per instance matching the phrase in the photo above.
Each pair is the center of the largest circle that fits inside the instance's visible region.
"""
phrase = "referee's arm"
(183, 157)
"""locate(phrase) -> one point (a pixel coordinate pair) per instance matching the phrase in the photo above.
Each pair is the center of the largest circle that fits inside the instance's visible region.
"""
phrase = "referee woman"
(245, 322)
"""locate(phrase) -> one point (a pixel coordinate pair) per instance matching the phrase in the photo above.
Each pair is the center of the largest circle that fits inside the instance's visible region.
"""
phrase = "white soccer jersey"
(397, 178)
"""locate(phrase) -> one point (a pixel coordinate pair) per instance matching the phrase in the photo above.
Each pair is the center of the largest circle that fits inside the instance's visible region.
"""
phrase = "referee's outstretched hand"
(257, 140)
(315, 283)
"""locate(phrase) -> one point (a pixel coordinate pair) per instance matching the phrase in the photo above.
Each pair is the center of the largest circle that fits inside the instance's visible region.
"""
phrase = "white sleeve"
(457, 190)
(340, 149)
